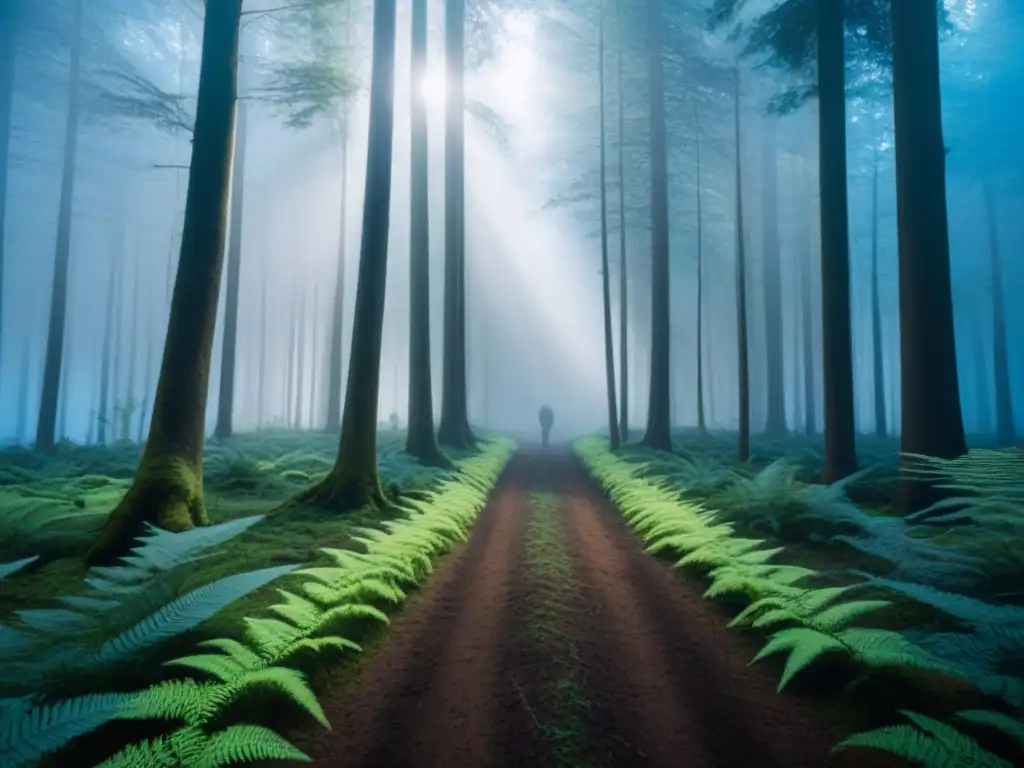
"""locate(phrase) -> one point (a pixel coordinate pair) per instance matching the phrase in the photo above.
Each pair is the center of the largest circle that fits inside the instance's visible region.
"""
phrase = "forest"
(289, 287)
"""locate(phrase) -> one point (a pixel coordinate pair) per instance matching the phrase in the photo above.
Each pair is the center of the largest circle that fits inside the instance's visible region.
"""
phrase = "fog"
(533, 284)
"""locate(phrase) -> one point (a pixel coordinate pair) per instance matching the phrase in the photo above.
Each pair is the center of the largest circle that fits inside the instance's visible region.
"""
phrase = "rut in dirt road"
(551, 639)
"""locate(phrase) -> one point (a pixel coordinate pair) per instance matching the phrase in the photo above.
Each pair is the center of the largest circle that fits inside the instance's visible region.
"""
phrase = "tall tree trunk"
(293, 332)
(420, 436)
(982, 392)
(102, 417)
(130, 402)
(147, 381)
(623, 269)
(743, 447)
(797, 380)
(334, 371)
(837, 345)
(606, 290)
(314, 358)
(117, 336)
(659, 415)
(47, 423)
(354, 480)
(65, 390)
(775, 368)
(261, 384)
(702, 428)
(334, 363)
(454, 429)
(300, 363)
(229, 346)
(878, 374)
(8, 56)
(24, 376)
(807, 333)
(932, 423)
(168, 485)
(1005, 432)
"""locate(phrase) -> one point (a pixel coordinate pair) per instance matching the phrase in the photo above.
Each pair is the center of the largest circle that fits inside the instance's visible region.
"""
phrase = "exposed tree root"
(167, 492)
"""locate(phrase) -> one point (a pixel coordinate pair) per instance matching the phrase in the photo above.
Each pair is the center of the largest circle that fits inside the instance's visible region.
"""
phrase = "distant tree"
(606, 294)
(1005, 431)
(454, 429)
(877, 368)
(658, 435)
(421, 437)
(54, 357)
(771, 260)
(743, 368)
(623, 270)
(8, 57)
(702, 428)
(354, 480)
(168, 486)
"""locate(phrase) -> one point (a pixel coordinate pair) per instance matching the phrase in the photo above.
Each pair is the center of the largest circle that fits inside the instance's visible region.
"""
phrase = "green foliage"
(809, 620)
(126, 611)
(935, 744)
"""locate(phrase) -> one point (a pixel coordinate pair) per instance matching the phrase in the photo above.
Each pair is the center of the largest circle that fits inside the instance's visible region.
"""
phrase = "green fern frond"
(187, 612)
(7, 569)
(1004, 723)
(247, 744)
(931, 743)
(28, 733)
(290, 682)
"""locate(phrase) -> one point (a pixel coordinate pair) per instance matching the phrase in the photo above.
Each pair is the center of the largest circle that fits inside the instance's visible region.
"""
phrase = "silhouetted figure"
(547, 418)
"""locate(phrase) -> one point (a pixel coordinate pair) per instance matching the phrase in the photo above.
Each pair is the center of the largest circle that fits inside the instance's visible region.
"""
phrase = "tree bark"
(354, 481)
(1005, 431)
(168, 485)
(420, 436)
(229, 346)
(878, 373)
(837, 346)
(454, 429)
(606, 291)
(743, 447)
(47, 422)
(932, 423)
(702, 428)
(775, 368)
(659, 431)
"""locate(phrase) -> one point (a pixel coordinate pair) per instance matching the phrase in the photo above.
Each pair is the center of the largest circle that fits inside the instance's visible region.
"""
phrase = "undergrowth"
(133, 609)
(54, 505)
(809, 619)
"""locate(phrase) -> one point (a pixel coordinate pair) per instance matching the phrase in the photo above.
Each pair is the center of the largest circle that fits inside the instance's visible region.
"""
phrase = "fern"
(29, 732)
(930, 742)
(6, 569)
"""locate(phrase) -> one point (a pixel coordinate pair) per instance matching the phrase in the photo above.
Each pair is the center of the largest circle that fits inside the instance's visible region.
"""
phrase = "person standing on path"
(547, 419)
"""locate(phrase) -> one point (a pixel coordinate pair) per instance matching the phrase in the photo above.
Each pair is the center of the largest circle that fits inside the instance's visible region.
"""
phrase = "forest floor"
(552, 639)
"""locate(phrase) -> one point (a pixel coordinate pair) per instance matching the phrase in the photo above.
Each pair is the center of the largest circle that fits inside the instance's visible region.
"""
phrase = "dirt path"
(551, 639)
